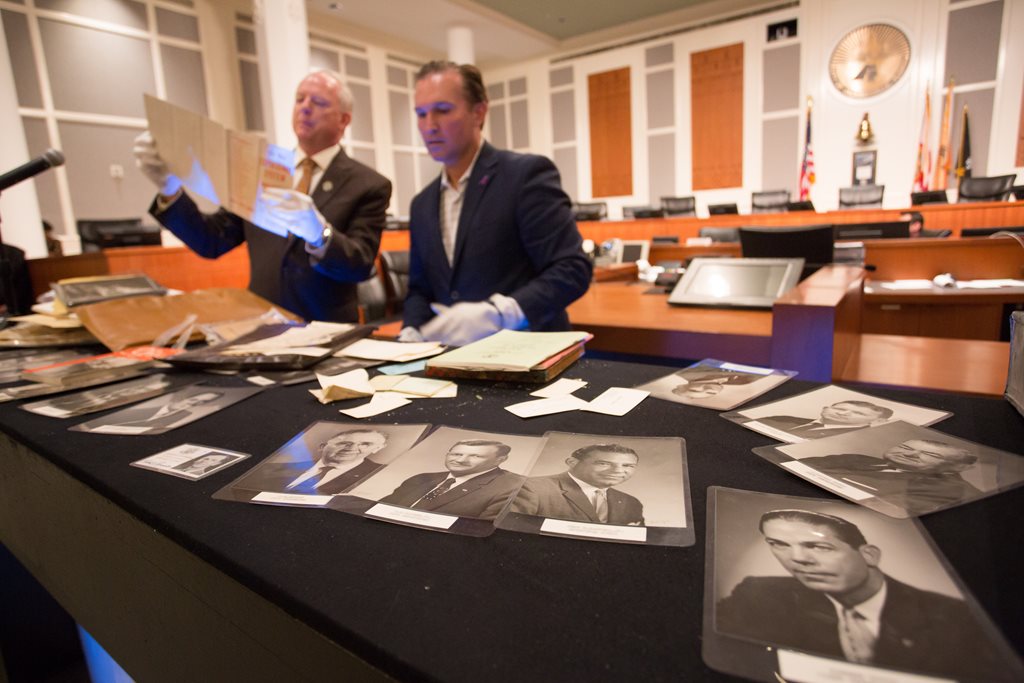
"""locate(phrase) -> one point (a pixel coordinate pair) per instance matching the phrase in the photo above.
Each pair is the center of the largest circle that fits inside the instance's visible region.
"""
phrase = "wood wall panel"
(716, 101)
(611, 133)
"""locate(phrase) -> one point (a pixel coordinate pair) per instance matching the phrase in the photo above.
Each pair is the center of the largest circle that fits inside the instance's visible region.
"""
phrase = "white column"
(19, 205)
(282, 48)
(460, 45)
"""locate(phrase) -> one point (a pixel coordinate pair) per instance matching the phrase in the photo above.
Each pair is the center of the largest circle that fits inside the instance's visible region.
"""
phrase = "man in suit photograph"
(584, 493)
(181, 408)
(919, 475)
(838, 418)
(838, 602)
(705, 382)
(493, 241)
(342, 462)
(327, 229)
(473, 485)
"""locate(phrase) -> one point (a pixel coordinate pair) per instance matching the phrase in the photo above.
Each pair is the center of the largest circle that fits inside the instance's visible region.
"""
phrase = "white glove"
(462, 323)
(410, 334)
(287, 211)
(153, 166)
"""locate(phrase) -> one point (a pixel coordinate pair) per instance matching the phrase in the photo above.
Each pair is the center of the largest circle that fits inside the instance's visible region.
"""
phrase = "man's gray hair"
(345, 100)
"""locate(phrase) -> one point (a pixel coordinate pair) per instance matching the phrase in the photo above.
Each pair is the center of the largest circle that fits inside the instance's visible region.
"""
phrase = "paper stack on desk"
(516, 356)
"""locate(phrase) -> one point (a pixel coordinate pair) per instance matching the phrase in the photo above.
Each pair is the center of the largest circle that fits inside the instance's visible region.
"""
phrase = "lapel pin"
(483, 181)
(327, 186)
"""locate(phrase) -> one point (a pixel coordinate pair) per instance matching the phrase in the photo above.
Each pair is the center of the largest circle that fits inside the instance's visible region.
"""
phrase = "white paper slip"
(380, 403)
(51, 411)
(562, 387)
(796, 666)
(616, 401)
(119, 429)
(398, 514)
(375, 349)
(747, 368)
(269, 350)
(906, 284)
(546, 406)
(451, 391)
(421, 386)
(588, 530)
(260, 380)
(387, 382)
(768, 430)
(290, 498)
(825, 481)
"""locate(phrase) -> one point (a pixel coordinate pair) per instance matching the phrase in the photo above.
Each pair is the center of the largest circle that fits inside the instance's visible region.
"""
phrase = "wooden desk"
(958, 314)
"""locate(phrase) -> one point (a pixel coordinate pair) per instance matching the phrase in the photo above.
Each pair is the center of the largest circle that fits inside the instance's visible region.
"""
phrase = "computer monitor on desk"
(812, 243)
(736, 282)
(872, 231)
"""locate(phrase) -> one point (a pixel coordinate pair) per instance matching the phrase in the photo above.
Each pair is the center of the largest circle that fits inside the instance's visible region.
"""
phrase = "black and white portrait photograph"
(191, 461)
(325, 459)
(454, 472)
(900, 469)
(601, 486)
(716, 384)
(828, 411)
(103, 397)
(837, 581)
(167, 412)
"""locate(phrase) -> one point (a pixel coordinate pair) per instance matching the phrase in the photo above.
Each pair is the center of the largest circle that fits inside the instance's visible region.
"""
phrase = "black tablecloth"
(426, 605)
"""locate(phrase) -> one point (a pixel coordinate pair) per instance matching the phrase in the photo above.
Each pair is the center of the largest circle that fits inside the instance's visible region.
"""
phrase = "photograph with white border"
(900, 469)
(191, 461)
(829, 411)
(836, 582)
(716, 384)
(611, 488)
(103, 397)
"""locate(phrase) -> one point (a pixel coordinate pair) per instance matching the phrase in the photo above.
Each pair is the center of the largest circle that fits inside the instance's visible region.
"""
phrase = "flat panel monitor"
(736, 282)
(872, 231)
(812, 243)
(987, 232)
(106, 234)
(633, 251)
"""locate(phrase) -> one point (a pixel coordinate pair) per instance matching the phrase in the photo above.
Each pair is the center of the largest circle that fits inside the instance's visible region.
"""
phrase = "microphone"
(47, 159)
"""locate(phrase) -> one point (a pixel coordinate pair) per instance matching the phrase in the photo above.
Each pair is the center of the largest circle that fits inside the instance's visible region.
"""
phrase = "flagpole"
(941, 178)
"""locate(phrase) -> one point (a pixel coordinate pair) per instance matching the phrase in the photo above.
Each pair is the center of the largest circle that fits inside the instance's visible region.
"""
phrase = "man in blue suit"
(494, 243)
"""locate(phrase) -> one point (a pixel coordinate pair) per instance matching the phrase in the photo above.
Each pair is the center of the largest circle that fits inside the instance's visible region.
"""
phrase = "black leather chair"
(1018, 193)
(590, 211)
(679, 206)
(928, 197)
(993, 189)
(372, 299)
(641, 212)
(395, 268)
(722, 209)
(721, 234)
(861, 197)
(770, 201)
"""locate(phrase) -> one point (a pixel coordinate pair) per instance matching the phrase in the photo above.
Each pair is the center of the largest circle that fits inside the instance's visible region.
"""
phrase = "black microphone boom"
(47, 159)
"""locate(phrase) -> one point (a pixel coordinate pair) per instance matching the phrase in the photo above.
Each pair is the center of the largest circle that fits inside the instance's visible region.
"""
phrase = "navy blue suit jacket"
(516, 237)
(281, 270)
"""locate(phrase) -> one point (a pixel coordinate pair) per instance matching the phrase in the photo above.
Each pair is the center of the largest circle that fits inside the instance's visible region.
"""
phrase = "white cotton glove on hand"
(153, 166)
(410, 334)
(462, 323)
(287, 211)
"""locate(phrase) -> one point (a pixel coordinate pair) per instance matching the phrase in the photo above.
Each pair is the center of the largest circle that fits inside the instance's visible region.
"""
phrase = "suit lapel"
(479, 181)
(433, 245)
(574, 495)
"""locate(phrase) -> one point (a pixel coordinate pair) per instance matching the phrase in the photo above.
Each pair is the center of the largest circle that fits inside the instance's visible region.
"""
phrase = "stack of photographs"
(89, 290)
(817, 591)
(103, 397)
(879, 453)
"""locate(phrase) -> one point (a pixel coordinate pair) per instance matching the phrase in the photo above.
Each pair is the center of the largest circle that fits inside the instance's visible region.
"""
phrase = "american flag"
(807, 165)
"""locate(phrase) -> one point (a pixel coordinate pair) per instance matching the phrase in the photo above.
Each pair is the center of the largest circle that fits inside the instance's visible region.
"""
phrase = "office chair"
(372, 299)
(395, 269)
(928, 197)
(770, 201)
(722, 209)
(679, 206)
(592, 211)
(861, 197)
(664, 239)
(1018, 193)
(721, 234)
(800, 205)
(993, 189)
(641, 212)
(925, 232)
